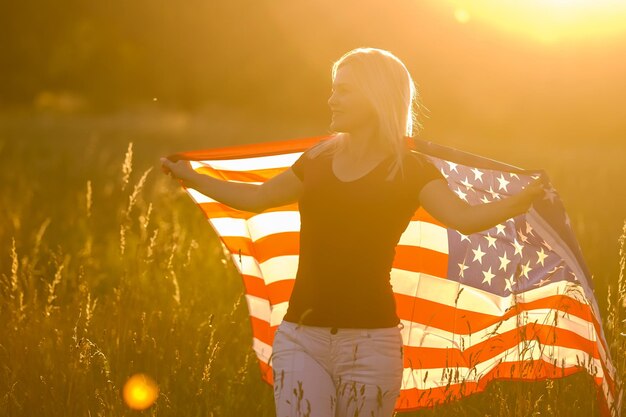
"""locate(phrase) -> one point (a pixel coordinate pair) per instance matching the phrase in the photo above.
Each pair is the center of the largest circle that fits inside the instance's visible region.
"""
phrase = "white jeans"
(324, 372)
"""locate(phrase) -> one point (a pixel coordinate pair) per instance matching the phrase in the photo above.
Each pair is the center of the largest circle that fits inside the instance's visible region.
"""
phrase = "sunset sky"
(501, 69)
(538, 68)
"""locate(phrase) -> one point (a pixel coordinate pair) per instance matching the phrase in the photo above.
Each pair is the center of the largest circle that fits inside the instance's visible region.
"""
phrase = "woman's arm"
(282, 189)
(437, 198)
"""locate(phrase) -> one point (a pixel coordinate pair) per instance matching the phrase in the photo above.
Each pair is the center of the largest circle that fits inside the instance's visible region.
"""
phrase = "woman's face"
(351, 110)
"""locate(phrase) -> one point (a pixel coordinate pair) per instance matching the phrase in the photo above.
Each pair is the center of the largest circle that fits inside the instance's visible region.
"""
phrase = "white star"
(485, 200)
(462, 269)
(493, 193)
(544, 243)
(478, 175)
(522, 237)
(463, 237)
(467, 184)
(478, 255)
(446, 176)
(525, 269)
(491, 240)
(550, 194)
(556, 268)
(452, 166)
(541, 256)
(504, 261)
(529, 229)
(461, 194)
(503, 183)
(542, 282)
(500, 228)
(510, 283)
(518, 247)
(488, 276)
(514, 175)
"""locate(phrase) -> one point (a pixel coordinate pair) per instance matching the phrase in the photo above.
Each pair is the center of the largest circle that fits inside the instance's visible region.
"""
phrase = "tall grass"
(107, 270)
(118, 284)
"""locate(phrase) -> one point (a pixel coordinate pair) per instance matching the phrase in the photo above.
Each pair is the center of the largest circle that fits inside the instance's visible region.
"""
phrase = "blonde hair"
(387, 84)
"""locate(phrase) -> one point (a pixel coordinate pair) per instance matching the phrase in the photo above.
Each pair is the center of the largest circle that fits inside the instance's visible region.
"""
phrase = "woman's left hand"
(533, 191)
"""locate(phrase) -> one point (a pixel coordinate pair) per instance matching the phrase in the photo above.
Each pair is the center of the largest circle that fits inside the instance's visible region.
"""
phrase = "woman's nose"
(332, 100)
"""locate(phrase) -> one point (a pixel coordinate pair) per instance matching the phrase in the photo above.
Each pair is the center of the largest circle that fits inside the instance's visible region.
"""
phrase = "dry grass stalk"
(52, 289)
(170, 260)
(88, 197)
(122, 239)
(39, 235)
(132, 199)
(152, 245)
(21, 308)
(127, 167)
(206, 372)
(622, 267)
(235, 307)
(14, 268)
(89, 309)
(193, 245)
(144, 220)
(89, 351)
(176, 294)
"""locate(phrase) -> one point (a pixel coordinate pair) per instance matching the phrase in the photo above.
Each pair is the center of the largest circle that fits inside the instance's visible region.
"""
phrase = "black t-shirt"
(348, 235)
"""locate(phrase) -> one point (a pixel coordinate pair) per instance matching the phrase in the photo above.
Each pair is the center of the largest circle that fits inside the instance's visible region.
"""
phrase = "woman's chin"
(337, 127)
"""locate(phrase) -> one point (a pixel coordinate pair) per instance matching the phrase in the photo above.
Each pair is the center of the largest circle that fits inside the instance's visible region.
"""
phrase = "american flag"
(514, 302)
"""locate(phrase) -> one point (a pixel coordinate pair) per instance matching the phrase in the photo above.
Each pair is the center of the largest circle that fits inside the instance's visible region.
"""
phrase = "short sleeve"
(426, 171)
(298, 166)
(431, 172)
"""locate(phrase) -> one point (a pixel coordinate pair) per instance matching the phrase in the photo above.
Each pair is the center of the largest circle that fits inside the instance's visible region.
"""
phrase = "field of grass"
(107, 269)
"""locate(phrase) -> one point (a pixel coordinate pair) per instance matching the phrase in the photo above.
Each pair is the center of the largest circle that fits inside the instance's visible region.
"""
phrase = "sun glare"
(462, 15)
(548, 20)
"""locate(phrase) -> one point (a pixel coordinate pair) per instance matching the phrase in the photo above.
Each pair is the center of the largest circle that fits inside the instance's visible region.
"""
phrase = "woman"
(338, 351)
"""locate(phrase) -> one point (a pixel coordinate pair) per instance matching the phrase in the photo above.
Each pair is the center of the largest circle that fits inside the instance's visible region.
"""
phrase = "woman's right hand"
(180, 170)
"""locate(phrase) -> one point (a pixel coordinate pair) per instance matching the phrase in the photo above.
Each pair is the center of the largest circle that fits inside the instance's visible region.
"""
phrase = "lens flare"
(140, 392)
